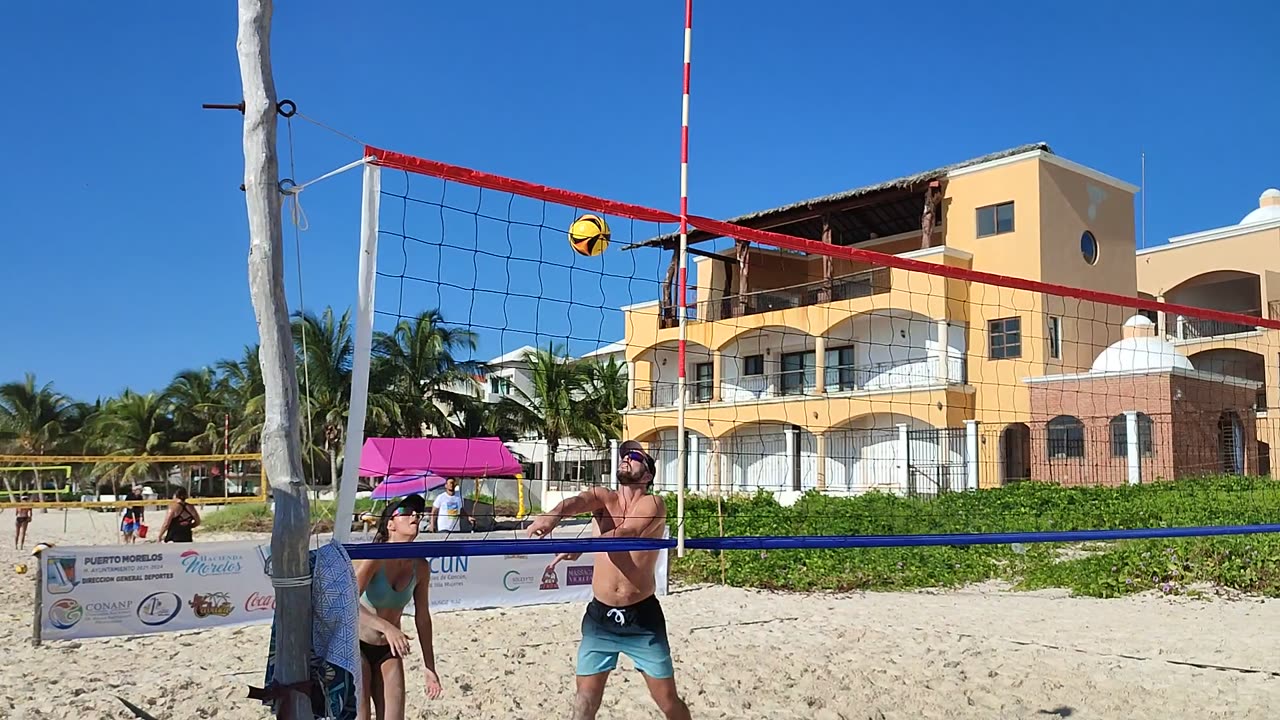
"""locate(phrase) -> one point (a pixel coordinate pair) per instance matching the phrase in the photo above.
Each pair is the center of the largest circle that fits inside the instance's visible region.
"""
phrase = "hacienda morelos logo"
(196, 563)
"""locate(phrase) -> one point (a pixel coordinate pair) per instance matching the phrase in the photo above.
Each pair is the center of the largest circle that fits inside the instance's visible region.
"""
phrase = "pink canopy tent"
(446, 457)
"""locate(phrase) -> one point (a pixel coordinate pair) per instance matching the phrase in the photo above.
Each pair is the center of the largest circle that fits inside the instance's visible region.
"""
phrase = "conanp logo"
(65, 613)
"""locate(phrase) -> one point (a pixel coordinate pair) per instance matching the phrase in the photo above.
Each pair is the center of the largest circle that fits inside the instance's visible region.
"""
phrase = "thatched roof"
(777, 216)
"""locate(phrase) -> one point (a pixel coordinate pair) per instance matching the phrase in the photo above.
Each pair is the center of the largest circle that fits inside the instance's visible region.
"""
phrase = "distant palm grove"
(419, 385)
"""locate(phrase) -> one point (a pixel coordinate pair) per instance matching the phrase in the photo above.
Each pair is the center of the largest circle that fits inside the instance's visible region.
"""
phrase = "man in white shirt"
(448, 509)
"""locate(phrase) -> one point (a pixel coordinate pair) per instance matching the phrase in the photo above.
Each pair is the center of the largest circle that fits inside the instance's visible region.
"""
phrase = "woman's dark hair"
(414, 502)
(180, 493)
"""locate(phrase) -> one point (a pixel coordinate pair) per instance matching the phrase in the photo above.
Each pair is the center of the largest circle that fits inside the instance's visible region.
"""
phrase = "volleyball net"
(107, 482)
(904, 364)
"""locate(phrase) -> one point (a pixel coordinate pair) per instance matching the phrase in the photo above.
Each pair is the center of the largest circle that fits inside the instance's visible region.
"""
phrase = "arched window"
(1065, 437)
(1120, 435)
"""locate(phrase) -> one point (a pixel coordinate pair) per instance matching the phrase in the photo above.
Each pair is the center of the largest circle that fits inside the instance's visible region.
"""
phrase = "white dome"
(1268, 208)
(1140, 354)
(1138, 321)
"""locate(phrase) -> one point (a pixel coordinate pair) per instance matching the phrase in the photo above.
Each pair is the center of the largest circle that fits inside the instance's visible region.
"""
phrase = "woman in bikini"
(386, 587)
(181, 519)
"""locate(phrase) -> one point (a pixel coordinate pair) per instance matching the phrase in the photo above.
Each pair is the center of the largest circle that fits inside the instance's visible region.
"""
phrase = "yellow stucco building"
(811, 372)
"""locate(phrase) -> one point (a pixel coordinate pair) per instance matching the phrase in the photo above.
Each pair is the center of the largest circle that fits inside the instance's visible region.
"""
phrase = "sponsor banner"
(105, 591)
(147, 588)
(487, 581)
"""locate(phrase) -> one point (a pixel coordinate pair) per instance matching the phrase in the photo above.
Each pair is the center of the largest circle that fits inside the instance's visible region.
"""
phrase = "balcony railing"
(893, 374)
(890, 375)
(1186, 328)
(663, 394)
(847, 287)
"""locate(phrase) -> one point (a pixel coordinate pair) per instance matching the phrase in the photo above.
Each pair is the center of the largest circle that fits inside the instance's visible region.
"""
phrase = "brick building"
(1189, 422)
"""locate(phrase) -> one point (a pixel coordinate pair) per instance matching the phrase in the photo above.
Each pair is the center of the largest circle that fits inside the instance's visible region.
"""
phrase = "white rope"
(349, 166)
(297, 214)
(293, 582)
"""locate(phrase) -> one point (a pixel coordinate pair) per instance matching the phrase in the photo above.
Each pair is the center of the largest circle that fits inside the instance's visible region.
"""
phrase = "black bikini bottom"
(375, 654)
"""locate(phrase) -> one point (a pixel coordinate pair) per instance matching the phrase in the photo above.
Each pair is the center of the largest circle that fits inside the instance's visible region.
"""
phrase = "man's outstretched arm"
(587, 501)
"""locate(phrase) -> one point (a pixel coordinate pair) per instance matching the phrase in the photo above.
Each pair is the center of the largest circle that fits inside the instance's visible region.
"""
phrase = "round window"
(1089, 247)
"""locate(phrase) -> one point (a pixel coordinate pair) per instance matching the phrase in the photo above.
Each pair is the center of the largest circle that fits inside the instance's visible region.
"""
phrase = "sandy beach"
(981, 652)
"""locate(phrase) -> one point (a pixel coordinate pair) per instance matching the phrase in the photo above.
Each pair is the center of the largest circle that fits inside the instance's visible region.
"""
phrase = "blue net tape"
(550, 546)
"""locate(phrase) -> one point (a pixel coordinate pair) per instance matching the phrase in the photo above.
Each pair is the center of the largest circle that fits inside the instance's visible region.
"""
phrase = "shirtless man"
(624, 616)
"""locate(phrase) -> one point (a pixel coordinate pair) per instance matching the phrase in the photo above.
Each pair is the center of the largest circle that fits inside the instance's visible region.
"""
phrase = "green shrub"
(1246, 563)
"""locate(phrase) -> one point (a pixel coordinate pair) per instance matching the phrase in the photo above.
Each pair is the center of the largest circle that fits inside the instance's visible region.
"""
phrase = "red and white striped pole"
(682, 463)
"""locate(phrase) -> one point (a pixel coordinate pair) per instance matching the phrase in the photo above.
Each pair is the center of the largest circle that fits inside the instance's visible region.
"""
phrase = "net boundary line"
(481, 179)
(158, 459)
(457, 548)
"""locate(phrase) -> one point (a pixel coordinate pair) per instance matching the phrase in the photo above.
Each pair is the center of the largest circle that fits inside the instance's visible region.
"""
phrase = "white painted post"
(941, 362)
(362, 355)
(903, 466)
(1135, 454)
(971, 454)
(547, 464)
(791, 458)
(694, 459)
(613, 463)
(631, 386)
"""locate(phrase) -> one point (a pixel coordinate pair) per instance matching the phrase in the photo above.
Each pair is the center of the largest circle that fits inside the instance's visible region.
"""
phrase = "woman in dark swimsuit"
(386, 587)
(181, 519)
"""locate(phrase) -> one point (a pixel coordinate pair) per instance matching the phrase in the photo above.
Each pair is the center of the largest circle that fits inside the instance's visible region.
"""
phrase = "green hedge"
(1248, 563)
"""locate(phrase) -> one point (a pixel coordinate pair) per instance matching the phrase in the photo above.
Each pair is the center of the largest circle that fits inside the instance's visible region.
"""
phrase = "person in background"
(450, 504)
(386, 587)
(21, 521)
(181, 519)
(131, 516)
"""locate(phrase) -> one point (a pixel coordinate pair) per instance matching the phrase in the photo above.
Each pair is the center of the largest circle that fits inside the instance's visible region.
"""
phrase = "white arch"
(892, 348)
(761, 456)
(663, 447)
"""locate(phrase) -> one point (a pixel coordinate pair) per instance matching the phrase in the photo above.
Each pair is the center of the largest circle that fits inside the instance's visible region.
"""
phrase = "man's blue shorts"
(639, 631)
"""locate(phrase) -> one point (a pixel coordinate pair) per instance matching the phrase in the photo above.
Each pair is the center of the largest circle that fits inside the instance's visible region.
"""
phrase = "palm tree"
(325, 350)
(554, 409)
(200, 411)
(136, 425)
(606, 396)
(472, 417)
(241, 387)
(35, 420)
(417, 365)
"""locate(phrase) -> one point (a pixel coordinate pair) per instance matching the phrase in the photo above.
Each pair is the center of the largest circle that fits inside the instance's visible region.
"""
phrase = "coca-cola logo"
(260, 603)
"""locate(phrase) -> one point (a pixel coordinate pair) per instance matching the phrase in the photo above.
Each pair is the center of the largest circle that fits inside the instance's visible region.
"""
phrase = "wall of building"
(1095, 402)
(1196, 407)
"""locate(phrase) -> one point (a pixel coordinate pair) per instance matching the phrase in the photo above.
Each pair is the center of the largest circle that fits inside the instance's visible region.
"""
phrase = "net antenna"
(682, 450)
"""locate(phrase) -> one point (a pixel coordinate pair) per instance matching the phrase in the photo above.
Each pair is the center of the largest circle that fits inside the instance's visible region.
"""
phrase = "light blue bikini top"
(380, 594)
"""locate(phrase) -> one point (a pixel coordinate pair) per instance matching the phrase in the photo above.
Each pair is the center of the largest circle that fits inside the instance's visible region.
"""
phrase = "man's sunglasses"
(635, 455)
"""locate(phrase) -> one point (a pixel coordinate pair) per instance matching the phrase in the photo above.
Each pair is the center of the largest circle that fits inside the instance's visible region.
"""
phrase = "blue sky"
(125, 239)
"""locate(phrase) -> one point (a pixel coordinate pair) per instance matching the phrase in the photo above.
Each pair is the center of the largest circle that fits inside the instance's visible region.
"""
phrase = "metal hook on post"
(285, 108)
